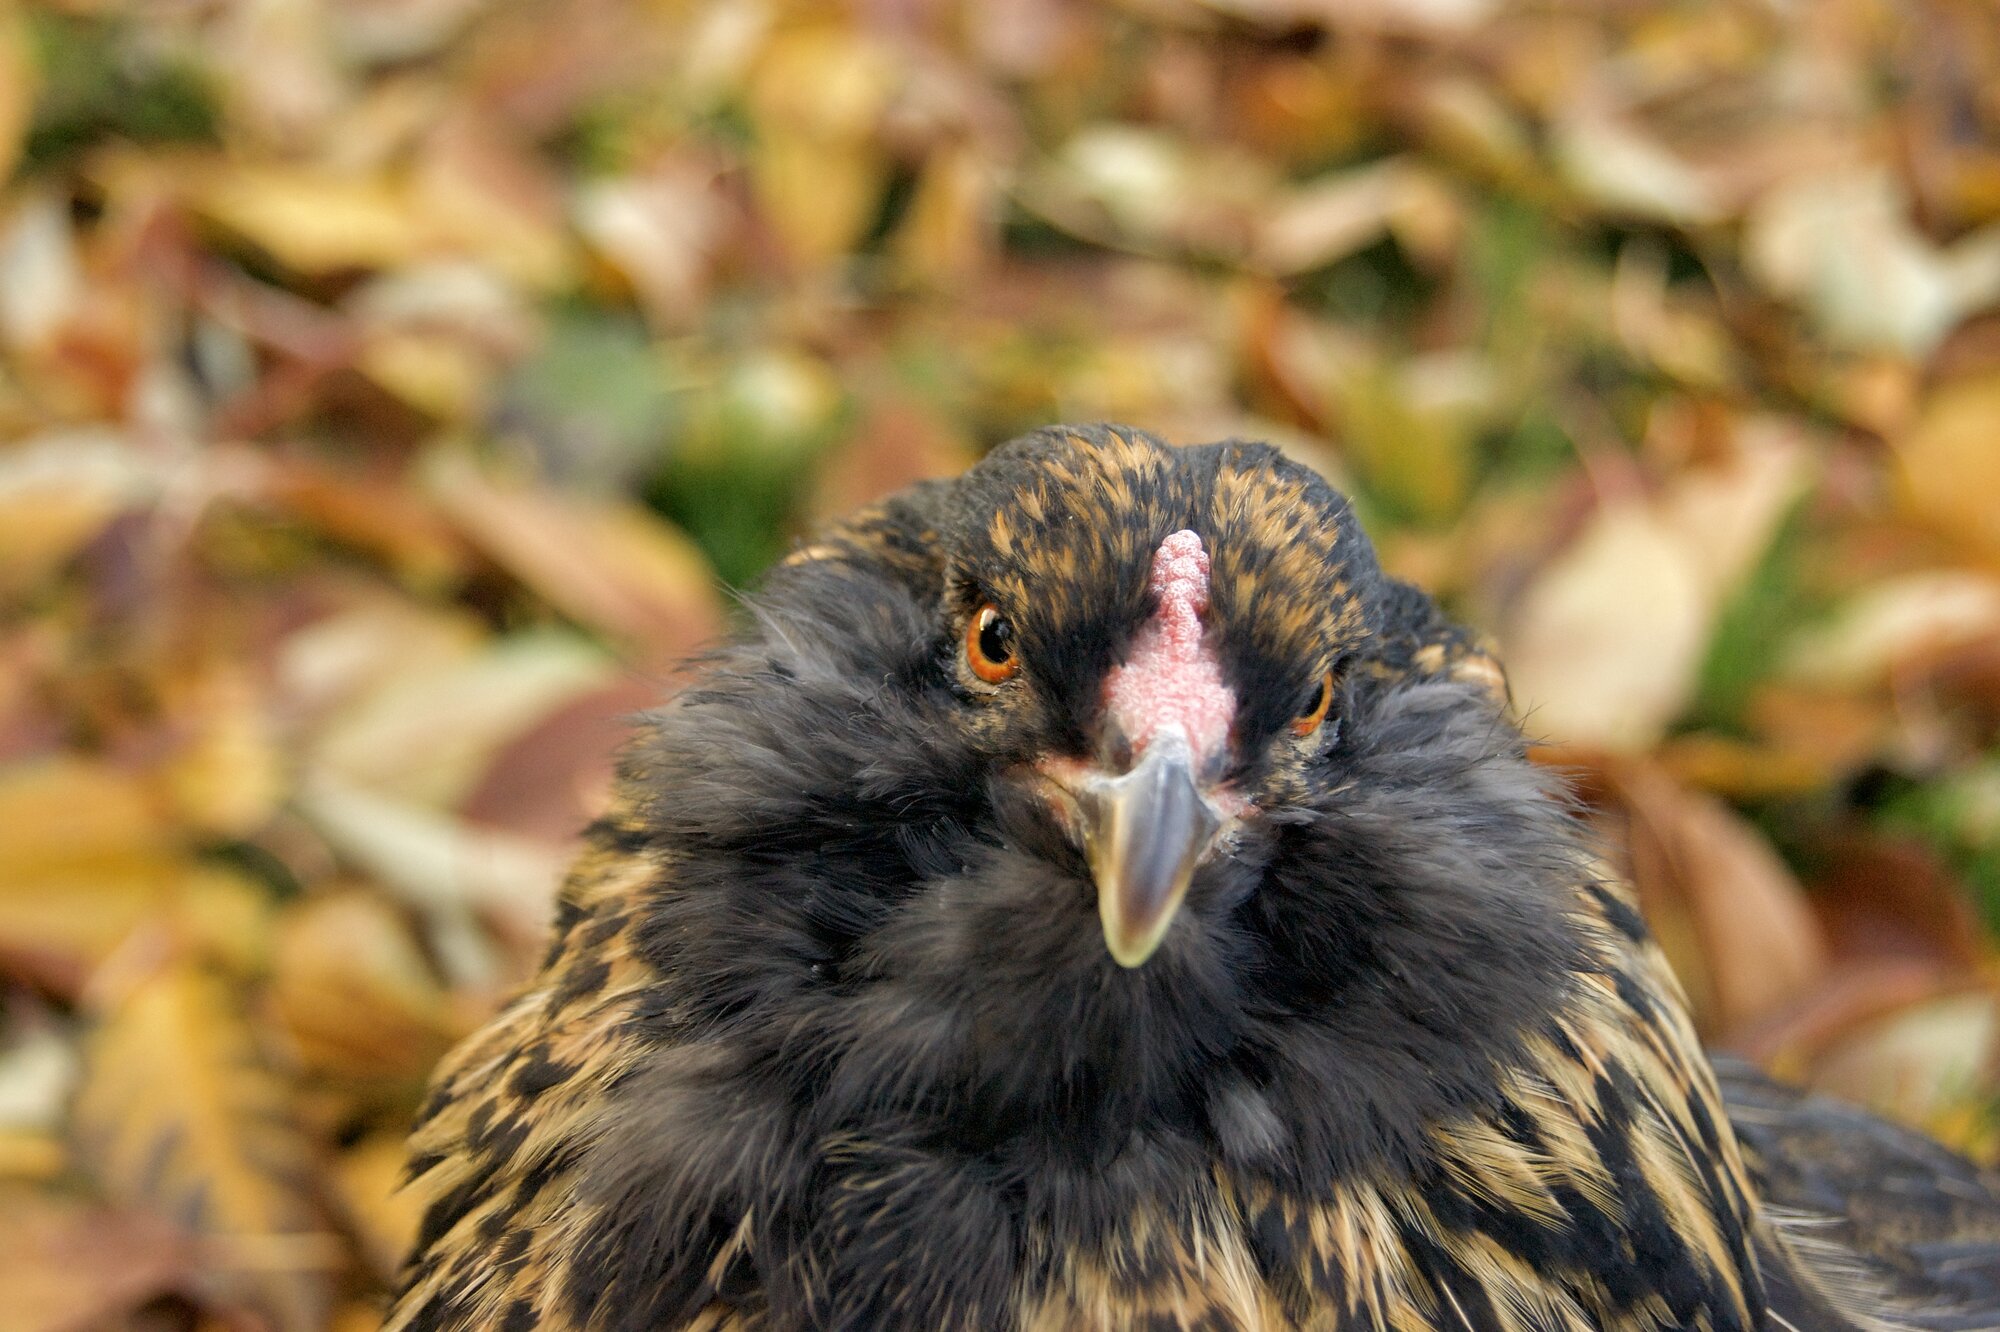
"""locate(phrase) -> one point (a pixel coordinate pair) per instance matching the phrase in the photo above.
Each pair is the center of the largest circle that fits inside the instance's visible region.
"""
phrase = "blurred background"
(393, 391)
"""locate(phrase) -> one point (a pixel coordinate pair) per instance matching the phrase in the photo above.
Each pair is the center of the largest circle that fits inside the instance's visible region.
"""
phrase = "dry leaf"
(71, 1266)
(228, 776)
(1950, 463)
(1326, 219)
(662, 230)
(180, 1116)
(614, 567)
(41, 277)
(57, 492)
(1842, 244)
(817, 161)
(426, 734)
(354, 995)
(436, 862)
(1734, 920)
(368, 1183)
(1603, 648)
(1920, 1063)
(1893, 621)
(1625, 170)
(314, 220)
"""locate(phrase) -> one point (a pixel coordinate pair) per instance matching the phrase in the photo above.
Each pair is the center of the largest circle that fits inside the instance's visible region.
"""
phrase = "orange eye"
(989, 645)
(1308, 721)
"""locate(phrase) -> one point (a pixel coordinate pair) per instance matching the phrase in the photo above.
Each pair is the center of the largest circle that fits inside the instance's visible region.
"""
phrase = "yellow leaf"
(954, 219)
(1409, 428)
(87, 855)
(368, 1181)
(434, 374)
(56, 493)
(230, 776)
(353, 992)
(180, 1116)
(59, 811)
(1951, 463)
(20, 80)
(313, 220)
(817, 164)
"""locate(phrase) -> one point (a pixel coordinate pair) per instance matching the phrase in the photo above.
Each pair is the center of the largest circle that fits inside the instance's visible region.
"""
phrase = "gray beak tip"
(1147, 831)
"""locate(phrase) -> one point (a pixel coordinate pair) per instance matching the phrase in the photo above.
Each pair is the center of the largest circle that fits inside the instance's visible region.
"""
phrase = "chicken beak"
(1145, 833)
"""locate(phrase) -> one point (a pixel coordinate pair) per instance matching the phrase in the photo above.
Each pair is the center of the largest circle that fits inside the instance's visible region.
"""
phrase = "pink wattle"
(1172, 676)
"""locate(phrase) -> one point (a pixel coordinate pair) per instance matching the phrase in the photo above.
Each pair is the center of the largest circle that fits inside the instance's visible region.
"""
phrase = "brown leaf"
(1894, 899)
(897, 443)
(426, 734)
(71, 1266)
(612, 566)
(180, 1115)
(555, 777)
(1605, 646)
(1731, 916)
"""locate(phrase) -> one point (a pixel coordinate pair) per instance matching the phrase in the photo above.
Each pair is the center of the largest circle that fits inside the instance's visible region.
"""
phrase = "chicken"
(1089, 894)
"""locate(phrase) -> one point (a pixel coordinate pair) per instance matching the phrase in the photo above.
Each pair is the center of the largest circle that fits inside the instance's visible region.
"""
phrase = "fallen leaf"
(1625, 170)
(1949, 463)
(1919, 1063)
(179, 1115)
(67, 1265)
(425, 734)
(368, 1184)
(1842, 244)
(36, 1076)
(551, 780)
(41, 277)
(57, 492)
(1327, 219)
(612, 566)
(315, 220)
(1883, 898)
(1892, 621)
(20, 80)
(354, 996)
(953, 229)
(227, 776)
(816, 161)
(438, 863)
(663, 230)
(1604, 647)
(1731, 916)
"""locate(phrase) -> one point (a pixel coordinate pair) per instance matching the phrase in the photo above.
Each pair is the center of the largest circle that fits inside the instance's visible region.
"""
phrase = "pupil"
(994, 637)
(1319, 697)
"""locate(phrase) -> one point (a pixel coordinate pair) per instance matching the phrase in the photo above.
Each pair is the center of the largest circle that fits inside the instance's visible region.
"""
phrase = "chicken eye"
(1308, 721)
(989, 645)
